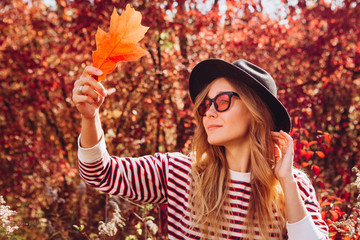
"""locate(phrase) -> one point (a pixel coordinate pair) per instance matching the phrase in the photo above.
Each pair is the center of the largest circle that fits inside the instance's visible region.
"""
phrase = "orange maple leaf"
(119, 44)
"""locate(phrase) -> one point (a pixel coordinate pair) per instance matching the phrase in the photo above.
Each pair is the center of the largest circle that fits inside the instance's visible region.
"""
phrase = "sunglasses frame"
(213, 101)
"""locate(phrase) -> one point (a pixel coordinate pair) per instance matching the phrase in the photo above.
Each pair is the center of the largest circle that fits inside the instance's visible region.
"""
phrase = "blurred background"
(311, 48)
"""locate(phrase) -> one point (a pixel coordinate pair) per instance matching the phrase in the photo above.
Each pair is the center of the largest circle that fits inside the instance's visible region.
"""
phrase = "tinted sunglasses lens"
(204, 106)
(222, 102)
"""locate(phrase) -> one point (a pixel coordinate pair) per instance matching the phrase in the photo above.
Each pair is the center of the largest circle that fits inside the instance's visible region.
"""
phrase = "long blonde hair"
(210, 175)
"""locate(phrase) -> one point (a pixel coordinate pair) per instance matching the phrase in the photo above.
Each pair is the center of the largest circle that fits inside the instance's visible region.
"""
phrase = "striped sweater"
(164, 178)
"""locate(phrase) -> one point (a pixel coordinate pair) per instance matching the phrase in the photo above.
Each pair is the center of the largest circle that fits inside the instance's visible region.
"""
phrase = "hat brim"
(207, 71)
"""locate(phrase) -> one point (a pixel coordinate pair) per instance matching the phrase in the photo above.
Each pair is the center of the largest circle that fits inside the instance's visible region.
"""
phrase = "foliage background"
(311, 48)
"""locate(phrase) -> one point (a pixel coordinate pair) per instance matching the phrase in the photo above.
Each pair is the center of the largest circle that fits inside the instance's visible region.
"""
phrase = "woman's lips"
(213, 127)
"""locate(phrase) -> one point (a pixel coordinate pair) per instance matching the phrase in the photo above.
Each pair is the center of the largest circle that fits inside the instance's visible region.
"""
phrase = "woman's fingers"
(286, 136)
(284, 154)
(87, 78)
(90, 70)
(281, 136)
(88, 94)
(87, 89)
(84, 99)
(89, 81)
(278, 138)
(283, 142)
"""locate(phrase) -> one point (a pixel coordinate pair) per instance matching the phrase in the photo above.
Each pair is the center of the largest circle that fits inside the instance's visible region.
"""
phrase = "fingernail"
(99, 72)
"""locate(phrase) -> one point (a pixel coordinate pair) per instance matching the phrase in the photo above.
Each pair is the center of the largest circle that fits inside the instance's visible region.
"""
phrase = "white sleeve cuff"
(303, 229)
(93, 154)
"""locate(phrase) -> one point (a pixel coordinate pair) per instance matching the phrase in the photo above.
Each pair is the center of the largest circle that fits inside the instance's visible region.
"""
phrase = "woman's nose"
(211, 112)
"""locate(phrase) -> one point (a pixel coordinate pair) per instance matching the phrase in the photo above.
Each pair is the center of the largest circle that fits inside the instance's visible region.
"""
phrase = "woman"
(239, 181)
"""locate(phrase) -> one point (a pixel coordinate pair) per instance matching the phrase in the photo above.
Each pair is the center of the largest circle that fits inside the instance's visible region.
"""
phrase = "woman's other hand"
(284, 156)
(88, 94)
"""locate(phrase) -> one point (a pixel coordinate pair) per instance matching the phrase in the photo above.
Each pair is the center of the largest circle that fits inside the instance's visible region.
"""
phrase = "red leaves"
(320, 154)
(323, 215)
(334, 215)
(315, 169)
(305, 164)
(324, 204)
(317, 73)
(119, 44)
(306, 154)
(308, 144)
(321, 184)
(327, 137)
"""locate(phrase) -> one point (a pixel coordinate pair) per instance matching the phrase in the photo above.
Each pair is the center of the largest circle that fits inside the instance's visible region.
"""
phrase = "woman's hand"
(284, 156)
(88, 94)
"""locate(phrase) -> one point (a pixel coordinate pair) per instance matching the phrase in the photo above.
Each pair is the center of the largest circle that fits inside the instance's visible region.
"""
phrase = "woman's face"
(230, 127)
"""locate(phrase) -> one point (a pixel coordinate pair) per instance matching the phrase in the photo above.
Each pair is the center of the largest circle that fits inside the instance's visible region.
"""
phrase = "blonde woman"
(238, 182)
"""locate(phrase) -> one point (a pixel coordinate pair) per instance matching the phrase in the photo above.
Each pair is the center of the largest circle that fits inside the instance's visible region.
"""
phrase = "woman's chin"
(216, 142)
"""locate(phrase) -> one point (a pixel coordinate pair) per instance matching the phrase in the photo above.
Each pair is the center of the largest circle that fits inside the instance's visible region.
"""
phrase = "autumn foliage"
(119, 44)
(312, 49)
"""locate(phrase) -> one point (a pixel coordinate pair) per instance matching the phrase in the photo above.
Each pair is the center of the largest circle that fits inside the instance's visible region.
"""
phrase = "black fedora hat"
(241, 70)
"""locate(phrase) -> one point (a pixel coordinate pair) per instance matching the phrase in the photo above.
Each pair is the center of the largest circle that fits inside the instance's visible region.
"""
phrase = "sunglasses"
(221, 102)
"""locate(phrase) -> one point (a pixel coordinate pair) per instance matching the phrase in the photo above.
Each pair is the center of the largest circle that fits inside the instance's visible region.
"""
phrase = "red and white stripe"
(164, 178)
